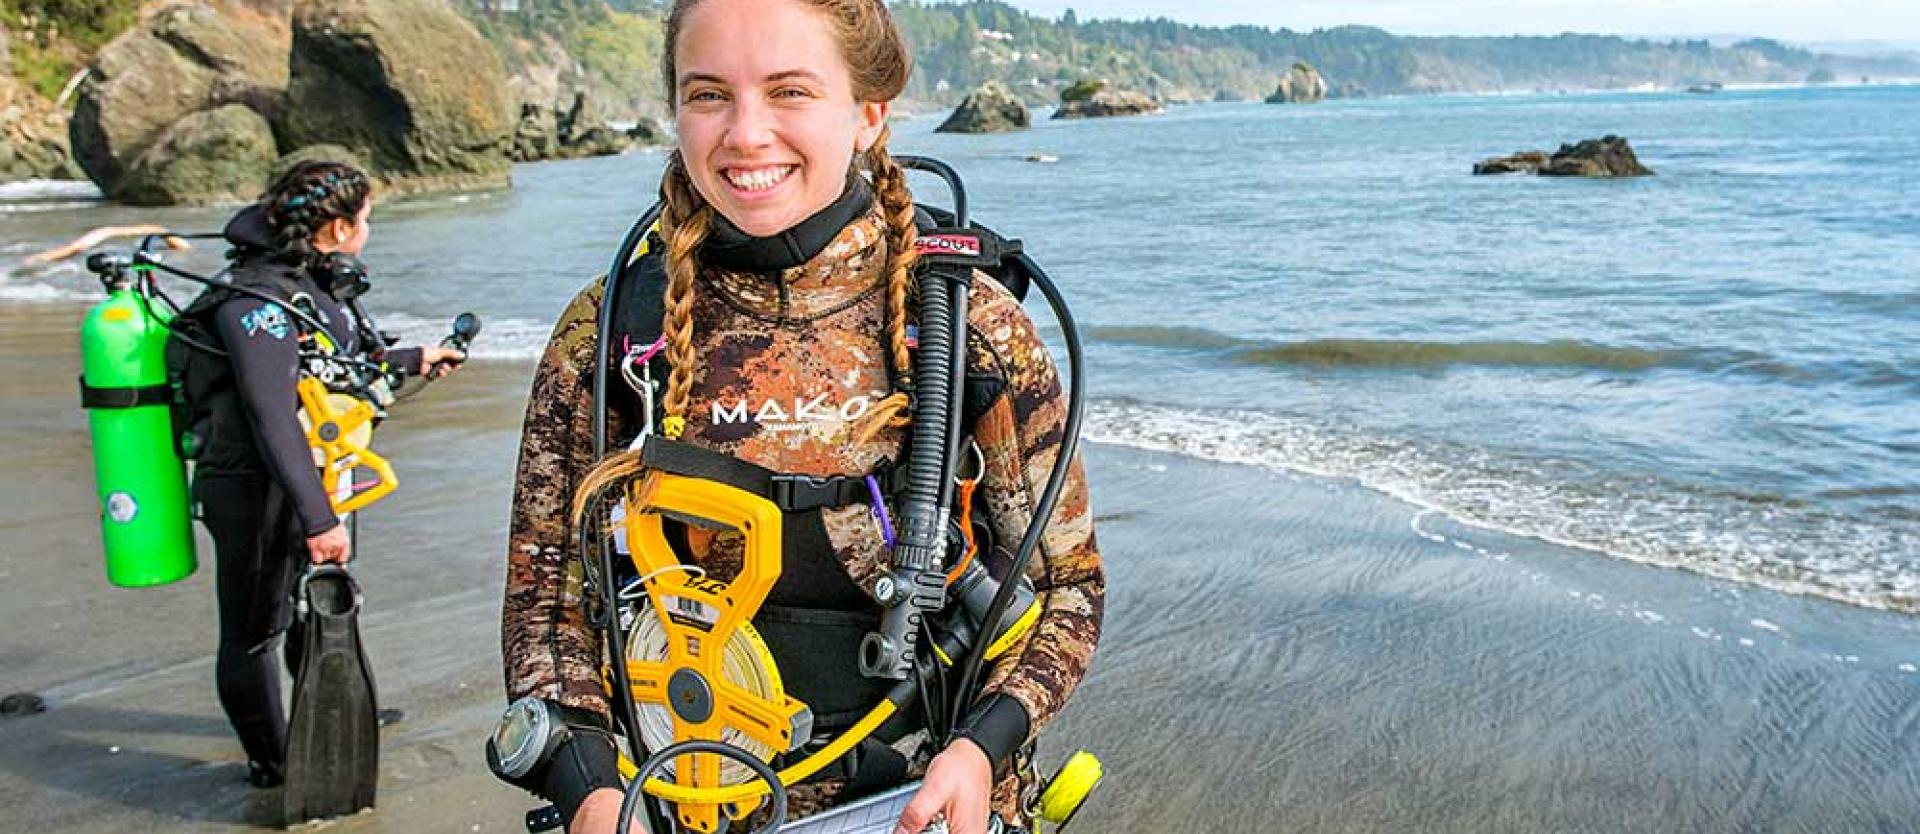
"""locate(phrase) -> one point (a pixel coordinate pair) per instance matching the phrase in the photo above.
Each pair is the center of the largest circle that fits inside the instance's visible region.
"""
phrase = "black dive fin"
(333, 736)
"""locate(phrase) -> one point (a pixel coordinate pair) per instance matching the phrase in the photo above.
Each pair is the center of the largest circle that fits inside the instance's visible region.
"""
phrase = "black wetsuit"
(254, 480)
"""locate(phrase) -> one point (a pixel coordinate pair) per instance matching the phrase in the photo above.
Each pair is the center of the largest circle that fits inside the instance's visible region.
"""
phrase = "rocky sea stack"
(1092, 99)
(993, 108)
(1301, 85)
(1608, 156)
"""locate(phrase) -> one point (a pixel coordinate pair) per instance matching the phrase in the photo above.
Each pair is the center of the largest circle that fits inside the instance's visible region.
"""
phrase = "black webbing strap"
(124, 397)
(791, 493)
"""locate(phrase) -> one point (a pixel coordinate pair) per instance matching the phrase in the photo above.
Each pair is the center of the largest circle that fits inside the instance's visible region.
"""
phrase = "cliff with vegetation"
(959, 46)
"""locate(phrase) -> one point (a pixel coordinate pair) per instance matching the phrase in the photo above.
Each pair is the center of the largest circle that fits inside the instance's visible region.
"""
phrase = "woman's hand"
(958, 785)
(600, 812)
(436, 362)
(332, 546)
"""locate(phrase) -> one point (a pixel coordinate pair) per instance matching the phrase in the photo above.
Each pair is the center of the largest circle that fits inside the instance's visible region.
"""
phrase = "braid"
(890, 185)
(896, 203)
(307, 197)
(684, 224)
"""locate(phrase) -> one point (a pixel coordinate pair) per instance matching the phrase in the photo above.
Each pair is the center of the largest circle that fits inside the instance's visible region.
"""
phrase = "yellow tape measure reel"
(339, 429)
(698, 669)
(700, 672)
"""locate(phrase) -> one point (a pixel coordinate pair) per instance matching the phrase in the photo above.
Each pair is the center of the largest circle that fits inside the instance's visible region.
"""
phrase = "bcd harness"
(341, 397)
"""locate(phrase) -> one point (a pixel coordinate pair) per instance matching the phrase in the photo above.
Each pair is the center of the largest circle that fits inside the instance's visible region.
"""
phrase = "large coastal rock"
(1107, 103)
(222, 155)
(185, 57)
(1301, 85)
(991, 109)
(407, 85)
(314, 153)
(1608, 156)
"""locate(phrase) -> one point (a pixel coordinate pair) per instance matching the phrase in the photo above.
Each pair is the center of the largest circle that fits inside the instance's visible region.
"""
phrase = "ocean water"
(1716, 368)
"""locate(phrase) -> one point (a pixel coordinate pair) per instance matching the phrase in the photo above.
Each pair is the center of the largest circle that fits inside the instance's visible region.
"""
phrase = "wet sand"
(1282, 654)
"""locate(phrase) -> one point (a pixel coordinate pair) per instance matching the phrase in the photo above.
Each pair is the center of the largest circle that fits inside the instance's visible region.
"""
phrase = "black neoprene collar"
(729, 248)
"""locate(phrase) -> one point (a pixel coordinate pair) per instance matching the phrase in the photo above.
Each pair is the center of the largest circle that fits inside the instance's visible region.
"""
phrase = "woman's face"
(765, 111)
(339, 235)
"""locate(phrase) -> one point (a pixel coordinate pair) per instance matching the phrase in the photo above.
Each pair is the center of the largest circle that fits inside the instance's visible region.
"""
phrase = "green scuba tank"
(145, 524)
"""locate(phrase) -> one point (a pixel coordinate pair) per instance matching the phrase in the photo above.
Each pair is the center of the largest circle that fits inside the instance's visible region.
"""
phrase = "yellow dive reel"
(339, 430)
(700, 672)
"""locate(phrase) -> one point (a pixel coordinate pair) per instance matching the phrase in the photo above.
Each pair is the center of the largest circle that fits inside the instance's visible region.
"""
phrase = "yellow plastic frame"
(339, 429)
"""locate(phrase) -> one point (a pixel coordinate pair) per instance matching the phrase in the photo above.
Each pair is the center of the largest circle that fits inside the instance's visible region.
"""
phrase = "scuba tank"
(145, 520)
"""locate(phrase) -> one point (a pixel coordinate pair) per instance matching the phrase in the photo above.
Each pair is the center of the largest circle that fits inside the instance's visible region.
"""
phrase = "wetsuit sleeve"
(1020, 435)
(406, 360)
(263, 345)
(549, 650)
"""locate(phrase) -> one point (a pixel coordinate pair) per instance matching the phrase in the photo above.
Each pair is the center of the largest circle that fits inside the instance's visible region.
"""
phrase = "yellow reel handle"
(339, 429)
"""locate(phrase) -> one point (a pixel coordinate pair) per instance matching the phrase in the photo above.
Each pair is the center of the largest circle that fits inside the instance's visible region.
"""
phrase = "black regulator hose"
(916, 587)
(1056, 480)
(636, 791)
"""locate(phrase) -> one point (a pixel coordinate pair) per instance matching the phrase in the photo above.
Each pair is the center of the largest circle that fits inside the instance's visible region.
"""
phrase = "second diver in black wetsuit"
(255, 479)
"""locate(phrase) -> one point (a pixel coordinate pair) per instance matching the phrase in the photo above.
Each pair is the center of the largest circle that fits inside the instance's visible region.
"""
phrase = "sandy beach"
(1282, 653)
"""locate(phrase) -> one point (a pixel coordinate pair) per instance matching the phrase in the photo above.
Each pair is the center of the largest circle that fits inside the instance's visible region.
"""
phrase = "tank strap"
(124, 397)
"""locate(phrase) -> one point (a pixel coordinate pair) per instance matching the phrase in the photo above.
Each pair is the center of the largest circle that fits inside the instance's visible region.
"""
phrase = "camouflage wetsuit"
(789, 362)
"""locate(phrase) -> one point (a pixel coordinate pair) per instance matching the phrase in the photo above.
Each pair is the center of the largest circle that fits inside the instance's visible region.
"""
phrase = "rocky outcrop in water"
(224, 155)
(993, 108)
(580, 131)
(1301, 85)
(584, 130)
(1608, 156)
(407, 85)
(646, 131)
(186, 57)
(1108, 103)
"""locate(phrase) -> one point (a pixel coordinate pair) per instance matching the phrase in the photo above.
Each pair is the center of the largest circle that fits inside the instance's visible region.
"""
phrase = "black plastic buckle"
(796, 493)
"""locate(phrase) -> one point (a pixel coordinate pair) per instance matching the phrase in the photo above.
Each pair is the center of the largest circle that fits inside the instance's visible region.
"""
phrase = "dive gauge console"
(529, 732)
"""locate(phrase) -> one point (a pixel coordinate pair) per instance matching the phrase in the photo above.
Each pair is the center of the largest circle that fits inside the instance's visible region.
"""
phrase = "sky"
(1799, 21)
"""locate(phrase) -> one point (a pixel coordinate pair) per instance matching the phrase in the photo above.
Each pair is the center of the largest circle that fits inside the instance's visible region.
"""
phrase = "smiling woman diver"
(784, 256)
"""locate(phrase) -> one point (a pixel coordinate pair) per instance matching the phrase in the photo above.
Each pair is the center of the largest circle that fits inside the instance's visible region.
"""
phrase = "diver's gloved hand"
(436, 362)
(331, 546)
(958, 785)
(600, 813)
